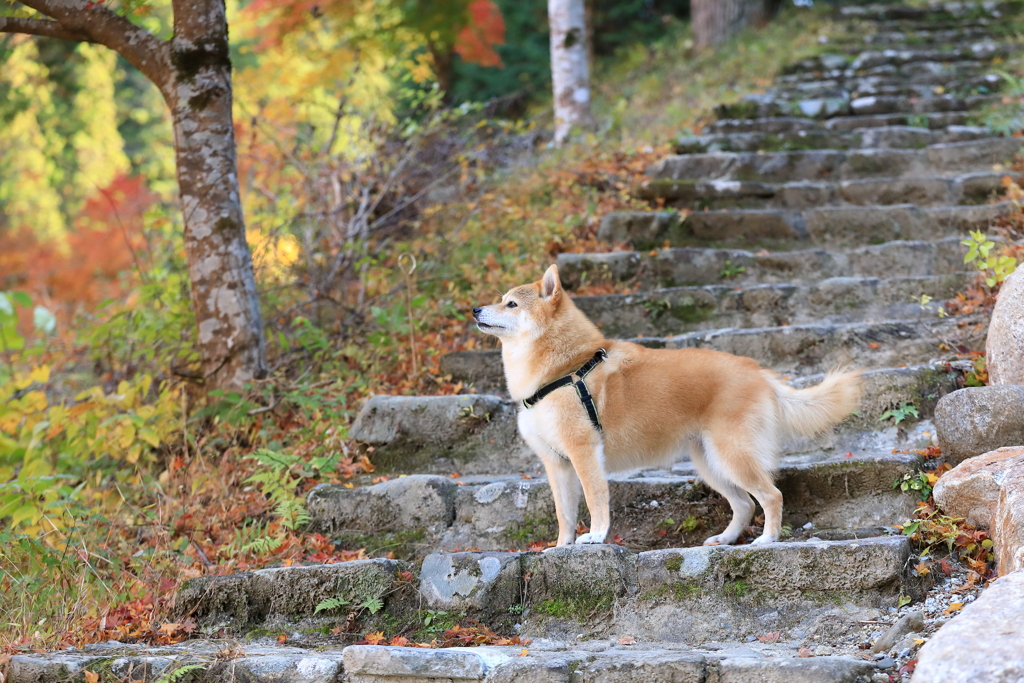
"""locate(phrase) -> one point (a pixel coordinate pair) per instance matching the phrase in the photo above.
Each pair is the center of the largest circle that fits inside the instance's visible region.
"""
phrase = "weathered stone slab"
(1004, 348)
(442, 434)
(1008, 531)
(982, 643)
(777, 670)
(472, 583)
(977, 420)
(644, 667)
(575, 580)
(641, 228)
(702, 266)
(421, 501)
(971, 489)
(368, 662)
(241, 602)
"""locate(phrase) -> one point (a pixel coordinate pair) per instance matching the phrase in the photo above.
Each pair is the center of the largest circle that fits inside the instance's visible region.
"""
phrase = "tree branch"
(41, 27)
(97, 24)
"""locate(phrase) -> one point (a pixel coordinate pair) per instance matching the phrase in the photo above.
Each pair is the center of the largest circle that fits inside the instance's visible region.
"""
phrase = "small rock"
(910, 623)
(886, 663)
(880, 678)
(823, 651)
(751, 639)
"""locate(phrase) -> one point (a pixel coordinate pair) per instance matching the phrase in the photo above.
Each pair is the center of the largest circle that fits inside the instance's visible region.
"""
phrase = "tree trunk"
(570, 75)
(193, 71)
(230, 326)
(715, 21)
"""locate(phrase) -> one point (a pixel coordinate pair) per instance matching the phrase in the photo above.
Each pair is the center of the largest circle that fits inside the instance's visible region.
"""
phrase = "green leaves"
(900, 414)
(10, 338)
(979, 252)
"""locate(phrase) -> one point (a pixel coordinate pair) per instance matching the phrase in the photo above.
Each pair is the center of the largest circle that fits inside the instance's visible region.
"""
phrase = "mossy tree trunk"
(715, 21)
(193, 72)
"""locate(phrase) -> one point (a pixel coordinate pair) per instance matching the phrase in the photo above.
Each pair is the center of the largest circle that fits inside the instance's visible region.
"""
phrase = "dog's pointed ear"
(550, 285)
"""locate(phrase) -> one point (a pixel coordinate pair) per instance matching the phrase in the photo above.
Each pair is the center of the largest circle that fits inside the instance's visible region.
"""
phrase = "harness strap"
(586, 398)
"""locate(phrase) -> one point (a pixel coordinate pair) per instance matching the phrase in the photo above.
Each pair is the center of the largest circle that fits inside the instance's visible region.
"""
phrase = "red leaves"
(475, 43)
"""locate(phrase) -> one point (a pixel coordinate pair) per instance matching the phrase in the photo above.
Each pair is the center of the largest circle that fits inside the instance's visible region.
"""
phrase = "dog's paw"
(720, 539)
(764, 538)
(590, 538)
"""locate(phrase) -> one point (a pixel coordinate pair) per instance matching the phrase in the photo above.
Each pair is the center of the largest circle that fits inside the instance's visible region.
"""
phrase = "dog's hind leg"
(741, 457)
(740, 502)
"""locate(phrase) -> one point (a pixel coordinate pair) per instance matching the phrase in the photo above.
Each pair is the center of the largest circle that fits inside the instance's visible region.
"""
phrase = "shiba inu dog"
(637, 407)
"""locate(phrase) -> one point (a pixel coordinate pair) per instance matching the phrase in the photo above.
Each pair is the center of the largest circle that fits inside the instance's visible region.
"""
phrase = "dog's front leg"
(565, 489)
(588, 461)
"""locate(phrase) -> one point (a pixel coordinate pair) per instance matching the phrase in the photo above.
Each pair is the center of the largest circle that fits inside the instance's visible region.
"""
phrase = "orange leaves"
(475, 43)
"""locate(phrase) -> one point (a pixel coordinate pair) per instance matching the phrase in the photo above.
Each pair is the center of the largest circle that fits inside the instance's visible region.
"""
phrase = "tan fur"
(654, 404)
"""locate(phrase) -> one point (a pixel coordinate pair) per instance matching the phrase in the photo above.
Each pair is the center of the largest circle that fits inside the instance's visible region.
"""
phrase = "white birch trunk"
(570, 75)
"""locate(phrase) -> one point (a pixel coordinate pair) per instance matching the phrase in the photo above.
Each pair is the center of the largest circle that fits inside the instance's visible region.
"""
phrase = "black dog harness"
(581, 388)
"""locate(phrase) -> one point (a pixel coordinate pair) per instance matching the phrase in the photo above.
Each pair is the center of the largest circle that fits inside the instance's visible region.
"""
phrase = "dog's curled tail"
(810, 411)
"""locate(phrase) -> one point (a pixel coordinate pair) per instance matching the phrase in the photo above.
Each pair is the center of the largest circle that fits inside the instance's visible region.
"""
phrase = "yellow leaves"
(954, 607)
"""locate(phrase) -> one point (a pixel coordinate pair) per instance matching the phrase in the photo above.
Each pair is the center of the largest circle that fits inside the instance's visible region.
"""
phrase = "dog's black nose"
(476, 312)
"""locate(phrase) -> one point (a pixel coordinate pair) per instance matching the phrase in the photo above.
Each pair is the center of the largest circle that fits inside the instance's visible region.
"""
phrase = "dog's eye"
(511, 304)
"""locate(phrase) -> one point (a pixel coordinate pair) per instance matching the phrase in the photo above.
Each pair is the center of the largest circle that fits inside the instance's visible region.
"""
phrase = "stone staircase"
(815, 213)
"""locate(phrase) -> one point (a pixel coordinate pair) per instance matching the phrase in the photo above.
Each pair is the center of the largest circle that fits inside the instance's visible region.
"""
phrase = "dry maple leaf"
(91, 676)
(770, 637)
(804, 652)
(627, 640)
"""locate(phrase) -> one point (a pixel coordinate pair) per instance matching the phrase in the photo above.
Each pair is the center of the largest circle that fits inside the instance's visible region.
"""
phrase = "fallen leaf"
(874, 345)
(282, 638)
(627, 640)
(524, 653)
(91, 676)
(908, 668)
(804, 652)
(955, 607)
(770, 637)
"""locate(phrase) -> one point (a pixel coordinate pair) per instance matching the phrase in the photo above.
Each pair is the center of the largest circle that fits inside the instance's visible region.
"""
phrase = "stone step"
(779, 229)
(664, 312)
(835, 165)
(761, 106)
(792, 124)
(682, 266)
(965, 189)
(196, 661)
(982, 50)
(831, 494)
(550, 662)
(958, 78)
(476, 434)
(794, 350)
(888, 137)
(932, 12)
(649, 663)
(933, 79)
(920, 37)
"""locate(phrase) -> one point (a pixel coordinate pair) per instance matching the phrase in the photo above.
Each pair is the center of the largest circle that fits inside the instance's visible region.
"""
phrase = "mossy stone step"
(965, 189)
(676, 310)
(655, 510)
(446, 439)
(835, 165)
(760, 106)
(933, 11)
(888, 137)
(861, 59)
(778, 229)
(774, 125)
(681, 266)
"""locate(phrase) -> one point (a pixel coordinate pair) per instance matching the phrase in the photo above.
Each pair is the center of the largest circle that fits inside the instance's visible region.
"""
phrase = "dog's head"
(524, 311)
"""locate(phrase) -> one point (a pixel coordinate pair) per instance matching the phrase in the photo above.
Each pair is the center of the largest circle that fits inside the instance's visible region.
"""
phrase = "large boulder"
(971, 489)
(982, 643)
(1004, 348)
(977, 420)
(988, 491)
